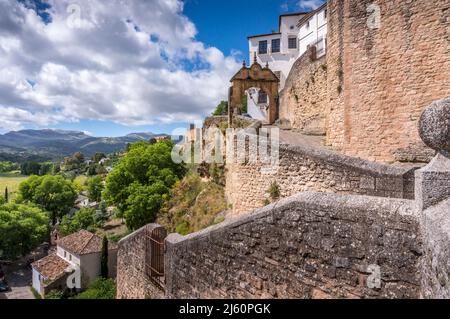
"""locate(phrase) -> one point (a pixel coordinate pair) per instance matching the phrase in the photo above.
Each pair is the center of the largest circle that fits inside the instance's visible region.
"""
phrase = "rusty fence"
(154, 257)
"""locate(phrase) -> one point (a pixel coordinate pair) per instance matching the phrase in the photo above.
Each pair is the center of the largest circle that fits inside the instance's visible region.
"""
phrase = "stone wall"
(132, 279)
(436, 264)
(303, 102)
(380, 79)
(303, 168)
(309, 246)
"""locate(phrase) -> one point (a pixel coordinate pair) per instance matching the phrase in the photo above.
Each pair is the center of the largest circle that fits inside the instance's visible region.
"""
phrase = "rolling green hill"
(42, 145)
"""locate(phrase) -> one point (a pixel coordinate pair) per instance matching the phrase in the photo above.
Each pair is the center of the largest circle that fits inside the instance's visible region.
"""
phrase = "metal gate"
(154, 258)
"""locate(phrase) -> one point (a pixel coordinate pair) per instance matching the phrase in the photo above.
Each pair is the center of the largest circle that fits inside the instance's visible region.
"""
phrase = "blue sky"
(104, 79)
(226, 24)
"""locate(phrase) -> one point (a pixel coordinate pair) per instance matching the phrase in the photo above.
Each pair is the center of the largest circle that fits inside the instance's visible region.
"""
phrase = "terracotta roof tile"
(51, 267)
(83, 243)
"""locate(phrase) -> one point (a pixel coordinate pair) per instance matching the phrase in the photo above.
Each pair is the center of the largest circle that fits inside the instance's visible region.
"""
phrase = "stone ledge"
(322, 154)
(383, 206)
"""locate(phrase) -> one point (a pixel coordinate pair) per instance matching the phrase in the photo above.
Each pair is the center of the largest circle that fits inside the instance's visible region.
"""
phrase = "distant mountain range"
(41, 145)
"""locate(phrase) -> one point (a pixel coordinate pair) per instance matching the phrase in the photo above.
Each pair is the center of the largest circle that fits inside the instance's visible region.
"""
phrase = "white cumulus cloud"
(131, 62)
(310, 4)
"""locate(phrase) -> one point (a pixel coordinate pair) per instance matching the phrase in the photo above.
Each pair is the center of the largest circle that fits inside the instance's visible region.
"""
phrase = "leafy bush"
(99, 289)
(182, 228)
(274, 191)
(221, 109)
(95, 189)
(55, 294)
(85, 218)
(6, 167)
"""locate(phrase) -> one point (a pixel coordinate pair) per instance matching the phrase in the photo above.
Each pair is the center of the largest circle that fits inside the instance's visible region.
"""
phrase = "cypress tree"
(104, 258)
(6, 194)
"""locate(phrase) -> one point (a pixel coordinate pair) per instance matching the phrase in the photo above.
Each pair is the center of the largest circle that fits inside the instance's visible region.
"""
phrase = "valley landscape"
(314, 163)
(47, 144)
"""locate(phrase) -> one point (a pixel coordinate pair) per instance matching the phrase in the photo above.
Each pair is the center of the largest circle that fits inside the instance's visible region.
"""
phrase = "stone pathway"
(296, 138)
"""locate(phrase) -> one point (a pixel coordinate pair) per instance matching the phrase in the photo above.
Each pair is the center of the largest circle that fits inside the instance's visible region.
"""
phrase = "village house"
(83, 250)
(81, 201)
(279, 51)
(297, 31)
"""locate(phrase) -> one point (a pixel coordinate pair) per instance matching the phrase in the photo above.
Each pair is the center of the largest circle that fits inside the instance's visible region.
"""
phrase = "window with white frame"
(262, 48)
(292, 43)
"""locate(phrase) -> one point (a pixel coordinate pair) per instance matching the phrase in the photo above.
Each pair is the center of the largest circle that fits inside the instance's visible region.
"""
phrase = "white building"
(80, 250)
(296, 32)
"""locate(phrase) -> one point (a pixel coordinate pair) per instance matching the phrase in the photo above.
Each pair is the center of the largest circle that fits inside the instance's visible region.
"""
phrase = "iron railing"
(154, 258)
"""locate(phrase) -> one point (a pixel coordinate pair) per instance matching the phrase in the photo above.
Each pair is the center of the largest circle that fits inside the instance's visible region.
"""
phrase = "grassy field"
(10, 180)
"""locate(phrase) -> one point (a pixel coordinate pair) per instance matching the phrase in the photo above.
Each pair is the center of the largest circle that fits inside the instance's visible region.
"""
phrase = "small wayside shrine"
(254, 77)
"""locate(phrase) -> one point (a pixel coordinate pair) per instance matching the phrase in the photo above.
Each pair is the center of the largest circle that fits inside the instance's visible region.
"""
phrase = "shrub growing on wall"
(274, 191)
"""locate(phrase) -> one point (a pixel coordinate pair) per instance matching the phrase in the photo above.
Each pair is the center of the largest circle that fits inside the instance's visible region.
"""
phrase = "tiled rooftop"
(83, 243)
(51, 267)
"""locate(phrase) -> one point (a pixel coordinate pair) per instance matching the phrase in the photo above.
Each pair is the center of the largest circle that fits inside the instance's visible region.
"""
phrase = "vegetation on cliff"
(195, 202)
(142, 180)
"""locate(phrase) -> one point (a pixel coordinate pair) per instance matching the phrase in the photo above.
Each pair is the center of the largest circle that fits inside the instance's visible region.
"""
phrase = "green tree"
(82, 219)
(144, 203)
(55, 294)
(6, 194)
(104, 258)
(139, 182)
(95, 189)
(46, 168)
(78, 157)
(74, 161)
(221, 109)
(22, 228)
(56, 169)
(6, 167)
(30, 168)
(98, 157)
(53, 193)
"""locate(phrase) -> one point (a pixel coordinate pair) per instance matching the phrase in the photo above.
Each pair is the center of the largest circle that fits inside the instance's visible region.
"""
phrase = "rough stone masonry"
(316, 245)
(382, 75)
(304, 168)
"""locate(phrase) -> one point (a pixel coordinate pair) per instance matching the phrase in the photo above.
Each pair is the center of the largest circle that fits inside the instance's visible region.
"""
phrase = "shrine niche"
(251, 78)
